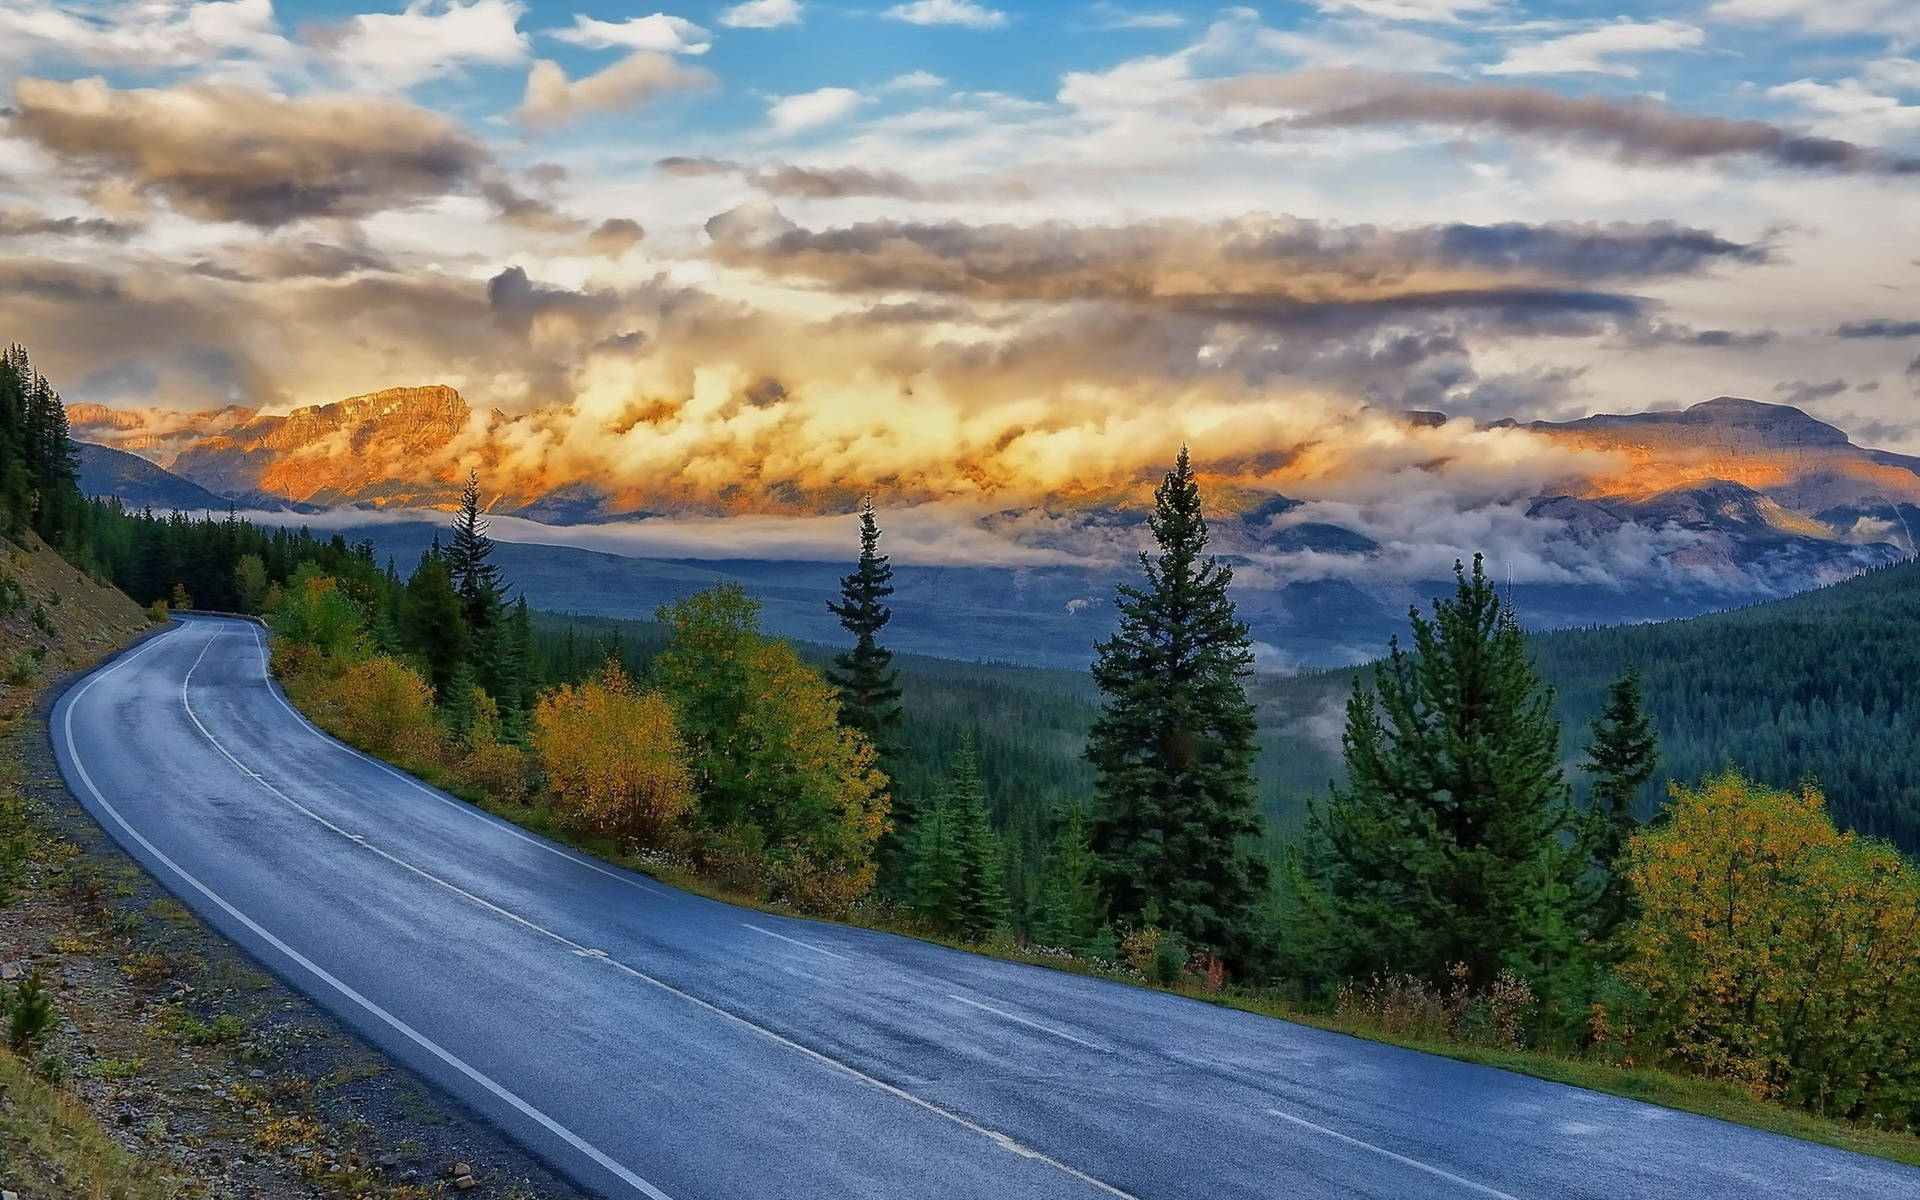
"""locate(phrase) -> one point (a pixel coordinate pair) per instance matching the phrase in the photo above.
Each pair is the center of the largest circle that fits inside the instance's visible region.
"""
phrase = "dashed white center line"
(1020, 1020)
(1477, 1188)
(797, 942)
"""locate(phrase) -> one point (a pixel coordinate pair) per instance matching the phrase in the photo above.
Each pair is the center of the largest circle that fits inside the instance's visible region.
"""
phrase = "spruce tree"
(955, 878)
(868, 685)
(1623, 752)
(476, 579)
(934, 876)
(1446, 843)
(1068, 911)
(1173, 747)
(983, 896)
(432, 626)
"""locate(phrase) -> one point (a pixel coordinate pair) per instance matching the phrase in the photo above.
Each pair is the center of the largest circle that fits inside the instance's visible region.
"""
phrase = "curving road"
(652, 1043)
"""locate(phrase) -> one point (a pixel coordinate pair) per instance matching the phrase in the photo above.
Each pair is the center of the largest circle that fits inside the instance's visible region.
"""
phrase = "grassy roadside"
(1667, 1089)
(55, 1146)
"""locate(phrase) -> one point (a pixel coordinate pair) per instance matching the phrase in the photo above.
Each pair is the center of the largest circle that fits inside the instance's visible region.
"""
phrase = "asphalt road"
(652, 1043)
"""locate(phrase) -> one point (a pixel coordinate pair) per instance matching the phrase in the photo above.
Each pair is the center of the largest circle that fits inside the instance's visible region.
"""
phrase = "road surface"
(652, 1043)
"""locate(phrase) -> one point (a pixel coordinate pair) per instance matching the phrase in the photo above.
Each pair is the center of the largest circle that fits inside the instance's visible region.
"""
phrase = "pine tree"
(955, 882)
(476, 579)
(1173, 747)
(935, 876)
(1068, 911)
(516, 670)
(1623, 752)
(1445, 845)
(983, 897)
(868, 685)
(869, 688)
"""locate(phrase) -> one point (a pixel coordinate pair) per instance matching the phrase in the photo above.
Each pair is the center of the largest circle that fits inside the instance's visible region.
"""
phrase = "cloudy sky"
(967, 246)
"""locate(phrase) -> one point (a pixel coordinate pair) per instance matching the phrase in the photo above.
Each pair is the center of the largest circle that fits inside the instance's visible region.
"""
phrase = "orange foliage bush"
(613, 759)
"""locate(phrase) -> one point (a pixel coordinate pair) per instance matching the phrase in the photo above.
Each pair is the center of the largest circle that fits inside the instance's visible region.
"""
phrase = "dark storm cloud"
(221, 152)
(1663, 333)
(24, 223)
(1878, 327)
(1634, 130)
(1260, 269)
(517, 302)
(1800, 392)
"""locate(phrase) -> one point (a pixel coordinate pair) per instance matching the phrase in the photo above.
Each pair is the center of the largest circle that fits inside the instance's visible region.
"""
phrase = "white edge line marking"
(1020, 1020)
(485, 818)
(1402, 1159)
(796, 941)
(993, 1135)
(540, 1118)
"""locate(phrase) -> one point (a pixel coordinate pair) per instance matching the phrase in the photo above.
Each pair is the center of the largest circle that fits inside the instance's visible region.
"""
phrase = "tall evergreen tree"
(1173, 747)
(868, 685)
(1623, 751)
(475, 578)
(1447, 842)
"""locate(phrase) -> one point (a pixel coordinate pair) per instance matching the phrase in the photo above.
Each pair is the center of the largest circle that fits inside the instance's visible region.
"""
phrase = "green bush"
(29, 1012)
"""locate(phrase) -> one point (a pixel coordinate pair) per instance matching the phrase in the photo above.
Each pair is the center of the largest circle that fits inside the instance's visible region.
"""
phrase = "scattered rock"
(458, 1169)
(463, 1182)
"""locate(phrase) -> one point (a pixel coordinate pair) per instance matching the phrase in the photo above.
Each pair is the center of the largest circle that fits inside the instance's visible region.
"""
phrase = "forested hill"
(1823, 686)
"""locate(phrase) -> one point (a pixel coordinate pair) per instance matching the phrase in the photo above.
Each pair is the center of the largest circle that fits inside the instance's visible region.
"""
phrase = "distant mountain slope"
(1037, 616)
(1823, 685)
(105, 471)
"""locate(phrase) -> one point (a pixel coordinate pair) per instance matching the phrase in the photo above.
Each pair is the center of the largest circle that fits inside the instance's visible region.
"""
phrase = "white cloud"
(1891, 17)
(914, 81)
(1849, 109)
(808, 110)
(762, 14)
(1894, 74)
(1113, 16)
(159, 33)
(658, 33)
(1447, 12)
(1592, 52)
(553, 99)
(947, 12)
(428, 38)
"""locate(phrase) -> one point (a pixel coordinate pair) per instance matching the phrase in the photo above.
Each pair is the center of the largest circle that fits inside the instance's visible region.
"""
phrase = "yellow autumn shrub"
(613, 759)
(384, 707)
(487, 761)
(1775, 951)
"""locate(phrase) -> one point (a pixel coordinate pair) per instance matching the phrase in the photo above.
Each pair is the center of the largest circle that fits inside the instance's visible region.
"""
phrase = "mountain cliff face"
(366, 450)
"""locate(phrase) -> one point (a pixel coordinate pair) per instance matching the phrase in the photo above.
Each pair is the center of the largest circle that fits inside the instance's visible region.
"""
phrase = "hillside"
(137, 483)
(1824, 685)
(53, 618)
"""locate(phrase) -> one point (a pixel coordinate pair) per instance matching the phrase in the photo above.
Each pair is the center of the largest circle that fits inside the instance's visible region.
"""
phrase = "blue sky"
(982, 246)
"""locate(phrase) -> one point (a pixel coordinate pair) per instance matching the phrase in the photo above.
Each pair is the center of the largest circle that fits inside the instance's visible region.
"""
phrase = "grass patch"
(54, 1147)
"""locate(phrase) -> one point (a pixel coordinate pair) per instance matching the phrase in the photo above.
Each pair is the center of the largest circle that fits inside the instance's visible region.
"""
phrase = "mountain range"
(1672, 513)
